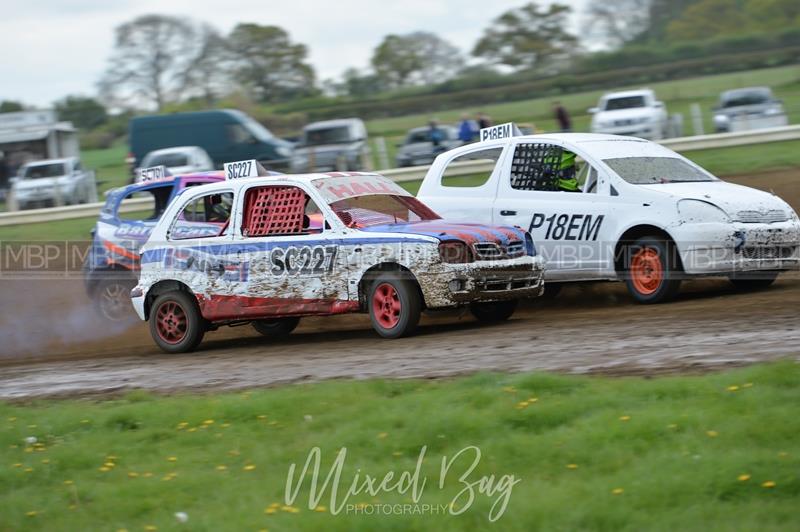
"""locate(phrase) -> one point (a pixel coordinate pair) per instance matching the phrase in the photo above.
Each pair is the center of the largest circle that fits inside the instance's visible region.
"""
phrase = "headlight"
(699, 212)
(283, 151)
(455, 253)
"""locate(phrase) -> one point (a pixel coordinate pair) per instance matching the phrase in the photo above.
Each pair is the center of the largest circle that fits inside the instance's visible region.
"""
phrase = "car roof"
(746, 90)
(306, 179)
(598, 145)
(51, 161)
(629, 93)
(175, 149)
(339, 122)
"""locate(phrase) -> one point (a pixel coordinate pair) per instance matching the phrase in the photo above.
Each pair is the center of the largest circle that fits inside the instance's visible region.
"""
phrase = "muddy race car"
(112, 266)
(637, 211)
(321, 244)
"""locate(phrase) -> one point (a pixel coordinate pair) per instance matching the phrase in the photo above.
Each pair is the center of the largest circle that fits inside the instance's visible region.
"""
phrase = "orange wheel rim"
(647, 272)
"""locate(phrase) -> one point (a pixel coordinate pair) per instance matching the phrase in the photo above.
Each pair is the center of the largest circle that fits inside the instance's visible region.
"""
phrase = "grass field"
(714, 452)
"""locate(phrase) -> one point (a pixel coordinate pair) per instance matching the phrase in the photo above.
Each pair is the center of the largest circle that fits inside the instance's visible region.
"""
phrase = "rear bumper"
(500, 280)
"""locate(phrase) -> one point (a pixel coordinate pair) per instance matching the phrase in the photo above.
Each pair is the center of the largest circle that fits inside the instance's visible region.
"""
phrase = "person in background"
(467, 129)
(562, 117)
(3, 171)
(484, 121)
(435, 133)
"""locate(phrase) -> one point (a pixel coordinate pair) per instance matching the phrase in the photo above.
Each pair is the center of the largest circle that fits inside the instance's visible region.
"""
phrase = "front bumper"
(137, 300)
(498, 280)
(725, 248)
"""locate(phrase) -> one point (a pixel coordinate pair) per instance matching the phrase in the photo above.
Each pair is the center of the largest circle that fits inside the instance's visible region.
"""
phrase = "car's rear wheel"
(276, 328)
(651, 272)
(112, 299)
(176, 324)
(753, 280)
(493, 311)
(395, 305)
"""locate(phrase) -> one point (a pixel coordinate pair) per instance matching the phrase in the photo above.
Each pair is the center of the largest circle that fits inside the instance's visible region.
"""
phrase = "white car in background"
(180, 160)
(642, 213)
(52, 182)
(635, 113)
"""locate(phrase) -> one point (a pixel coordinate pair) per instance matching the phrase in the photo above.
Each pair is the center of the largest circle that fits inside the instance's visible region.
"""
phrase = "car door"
(284, 242)
(572, 230)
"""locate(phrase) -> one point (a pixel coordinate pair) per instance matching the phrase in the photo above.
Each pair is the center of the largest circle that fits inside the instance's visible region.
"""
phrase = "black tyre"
(112, 299)
(175, 322)
(277, 328)
(395, 305)
(651, 270)
(493, 311)
(747, 282)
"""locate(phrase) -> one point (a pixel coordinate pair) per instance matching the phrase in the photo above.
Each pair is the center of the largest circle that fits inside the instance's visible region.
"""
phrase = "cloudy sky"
(51, 48)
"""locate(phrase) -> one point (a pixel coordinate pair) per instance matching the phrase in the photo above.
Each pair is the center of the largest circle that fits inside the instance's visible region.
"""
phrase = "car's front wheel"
(493, 311)
(395, 305)
(276, 328)
(176, 324)
(652, 271)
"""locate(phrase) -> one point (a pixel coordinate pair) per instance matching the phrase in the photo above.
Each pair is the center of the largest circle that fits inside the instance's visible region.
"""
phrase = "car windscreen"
(379, 209)
(628, 102)
(40, 171)
(332, 135)
(170, 160)
(746, 98)
(657, 170)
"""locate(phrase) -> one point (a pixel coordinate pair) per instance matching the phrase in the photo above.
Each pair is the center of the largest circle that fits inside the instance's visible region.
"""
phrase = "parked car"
(225, 135)
(331, 145)
(180, 160)
(750, 108)
(311, 245)
(53, 182)
(641, 213)
(112, 266)
(418, 149)
(636, 113)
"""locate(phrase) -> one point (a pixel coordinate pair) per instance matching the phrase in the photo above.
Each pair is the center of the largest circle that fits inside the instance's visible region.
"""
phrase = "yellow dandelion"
(382, 435)
(109, 465)
(32, 513)
(733, 388)
(122, 530)
(85, 421)
(572, 466)
(261, 416)
(191, 429)
(172, 459)
(68, 482)
(12, 419)
(747, 385)
(533, 399)
(522, 404)
(132, 474)
(617, 491)
(509, 389)
(46, 461)
(233, 452)
(293, 510)
(151, 528)
(208, 422)
(672, 426)
(104, 469)
(320, 509)
(222, 468)
(29, 470)
(269, 511)
(17, 465)
(768, 484)
(111, 457)
(225, 425)
(743, 478)
(249, 467)
(625, 418)
(712, 433)
(783, 454)
(28, 449)
(397, 453)
(147, 474)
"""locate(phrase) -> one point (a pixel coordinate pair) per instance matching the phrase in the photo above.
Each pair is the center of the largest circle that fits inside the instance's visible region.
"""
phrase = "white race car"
(640, 212)
(321, 244)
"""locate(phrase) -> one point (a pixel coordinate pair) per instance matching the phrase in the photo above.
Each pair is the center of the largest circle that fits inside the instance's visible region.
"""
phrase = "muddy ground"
(52, 344)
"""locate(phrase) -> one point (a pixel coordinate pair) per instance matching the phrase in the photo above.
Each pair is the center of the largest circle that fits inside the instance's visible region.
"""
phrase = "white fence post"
(383, 155)
(697, 118)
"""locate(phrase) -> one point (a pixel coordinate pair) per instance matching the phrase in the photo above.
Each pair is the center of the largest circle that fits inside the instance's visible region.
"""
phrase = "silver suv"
(331, 145)
(749, 108)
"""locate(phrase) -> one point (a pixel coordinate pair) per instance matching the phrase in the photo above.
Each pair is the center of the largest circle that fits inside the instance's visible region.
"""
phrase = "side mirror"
(593, 110)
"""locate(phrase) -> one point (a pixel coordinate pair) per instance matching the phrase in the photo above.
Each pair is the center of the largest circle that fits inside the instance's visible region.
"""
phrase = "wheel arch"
(638, 231)
(95, 276)
(375, 271)
(162, 287)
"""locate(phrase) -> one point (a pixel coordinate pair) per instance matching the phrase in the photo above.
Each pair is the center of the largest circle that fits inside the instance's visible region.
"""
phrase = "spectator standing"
(484, 121)
(562, 117)
(467, 129)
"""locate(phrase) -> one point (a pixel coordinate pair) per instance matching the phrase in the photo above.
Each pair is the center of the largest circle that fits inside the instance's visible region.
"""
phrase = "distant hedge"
(598, 78)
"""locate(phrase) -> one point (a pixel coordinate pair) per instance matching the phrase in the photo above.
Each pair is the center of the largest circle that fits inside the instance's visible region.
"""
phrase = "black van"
(225, 134)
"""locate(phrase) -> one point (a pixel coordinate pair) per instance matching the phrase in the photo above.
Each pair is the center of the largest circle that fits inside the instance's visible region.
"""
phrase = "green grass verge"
(714, 452)
(109, 165)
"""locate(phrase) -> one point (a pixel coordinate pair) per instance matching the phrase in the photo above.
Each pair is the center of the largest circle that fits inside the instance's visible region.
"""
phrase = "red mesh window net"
(274, 211)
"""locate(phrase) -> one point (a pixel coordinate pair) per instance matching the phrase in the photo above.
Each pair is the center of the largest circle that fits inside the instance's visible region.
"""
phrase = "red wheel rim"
(647, 272)
(386, 306)
(171, 322)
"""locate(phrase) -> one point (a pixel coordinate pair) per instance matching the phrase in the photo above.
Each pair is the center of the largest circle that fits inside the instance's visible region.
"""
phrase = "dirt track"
(59, 348)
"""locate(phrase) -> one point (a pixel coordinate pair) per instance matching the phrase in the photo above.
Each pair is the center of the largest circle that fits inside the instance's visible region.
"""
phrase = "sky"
(51, 48)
